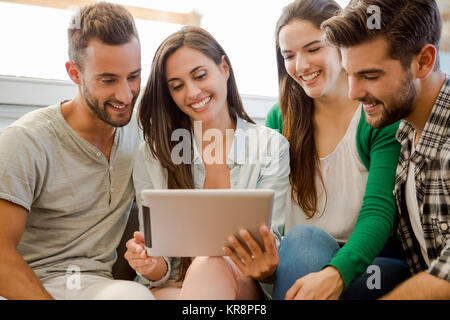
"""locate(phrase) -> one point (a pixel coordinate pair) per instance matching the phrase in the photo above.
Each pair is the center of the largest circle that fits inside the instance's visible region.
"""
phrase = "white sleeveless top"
(345, 178)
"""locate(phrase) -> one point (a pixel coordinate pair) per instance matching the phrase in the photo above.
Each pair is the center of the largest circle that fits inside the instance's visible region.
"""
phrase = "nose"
(355, 90)
(124, 93)
(301, 63)
(193, 91)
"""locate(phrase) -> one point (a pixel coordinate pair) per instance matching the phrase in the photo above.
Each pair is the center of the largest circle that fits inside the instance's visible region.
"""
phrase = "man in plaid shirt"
(390, 53)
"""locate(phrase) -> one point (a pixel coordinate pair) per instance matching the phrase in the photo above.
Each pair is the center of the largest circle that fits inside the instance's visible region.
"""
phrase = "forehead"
(368, 55)
(298, 33)
(184, 60)
(104, 58)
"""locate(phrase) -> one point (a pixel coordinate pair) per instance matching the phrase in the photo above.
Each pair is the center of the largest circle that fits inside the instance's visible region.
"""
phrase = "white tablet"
(190, 223)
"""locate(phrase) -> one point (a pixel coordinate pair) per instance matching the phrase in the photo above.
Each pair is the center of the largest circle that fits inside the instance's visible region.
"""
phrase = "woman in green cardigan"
(341, 209)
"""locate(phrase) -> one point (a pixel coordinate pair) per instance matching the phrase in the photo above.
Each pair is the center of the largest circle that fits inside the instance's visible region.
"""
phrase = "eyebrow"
(107, 74)
(305, 46)
(311, 43)
(370, 71)
(192, 71)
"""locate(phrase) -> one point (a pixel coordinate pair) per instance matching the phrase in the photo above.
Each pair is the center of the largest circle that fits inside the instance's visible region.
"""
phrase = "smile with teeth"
(201, 104)
(118, 106)
(310, 77)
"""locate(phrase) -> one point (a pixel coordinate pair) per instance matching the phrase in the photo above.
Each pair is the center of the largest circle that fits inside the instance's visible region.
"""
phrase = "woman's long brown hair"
(297, 109)
(159, 116)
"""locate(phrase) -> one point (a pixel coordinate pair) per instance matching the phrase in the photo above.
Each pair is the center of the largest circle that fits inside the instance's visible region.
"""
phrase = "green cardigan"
(379, 151)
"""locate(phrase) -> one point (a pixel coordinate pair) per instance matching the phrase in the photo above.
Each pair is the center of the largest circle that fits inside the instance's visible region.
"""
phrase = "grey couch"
(121, 269)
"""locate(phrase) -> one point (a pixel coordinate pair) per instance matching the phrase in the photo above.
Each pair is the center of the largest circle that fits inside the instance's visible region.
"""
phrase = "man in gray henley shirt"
(65, 171)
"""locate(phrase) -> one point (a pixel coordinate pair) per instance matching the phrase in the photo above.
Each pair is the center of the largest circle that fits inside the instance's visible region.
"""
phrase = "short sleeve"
(22, 166)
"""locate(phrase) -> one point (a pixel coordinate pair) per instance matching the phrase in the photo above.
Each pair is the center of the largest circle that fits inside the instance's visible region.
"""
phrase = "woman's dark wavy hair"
(159, 116)
(297, 108)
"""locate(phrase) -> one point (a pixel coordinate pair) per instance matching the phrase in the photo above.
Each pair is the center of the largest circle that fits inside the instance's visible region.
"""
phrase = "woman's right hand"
(137, 257)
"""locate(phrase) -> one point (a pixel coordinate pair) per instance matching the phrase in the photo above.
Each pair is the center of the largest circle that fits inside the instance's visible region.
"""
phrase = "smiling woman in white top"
(341, 210)
(192, 93)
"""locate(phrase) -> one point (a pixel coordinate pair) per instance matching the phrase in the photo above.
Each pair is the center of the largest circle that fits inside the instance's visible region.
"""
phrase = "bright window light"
(35, 38)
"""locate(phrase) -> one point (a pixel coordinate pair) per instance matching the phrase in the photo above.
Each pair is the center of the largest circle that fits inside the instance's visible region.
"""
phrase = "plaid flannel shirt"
(432, 176)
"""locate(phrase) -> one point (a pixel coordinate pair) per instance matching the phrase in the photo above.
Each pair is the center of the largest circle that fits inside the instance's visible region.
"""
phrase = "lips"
(369, 108)
(310, 78)
(201, 104)
(118, 107)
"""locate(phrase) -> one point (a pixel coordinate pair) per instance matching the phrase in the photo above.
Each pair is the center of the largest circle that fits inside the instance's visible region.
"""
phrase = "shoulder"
(143, 153)
(368, 136)
(38, 118)
(36, 125)
(274, 118)
(148, 173)
(262, 131)
(275, 111)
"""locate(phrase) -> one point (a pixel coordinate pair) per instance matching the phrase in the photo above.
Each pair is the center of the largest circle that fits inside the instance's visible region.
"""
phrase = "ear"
(225, 66)
(425, 60)
(74, 72)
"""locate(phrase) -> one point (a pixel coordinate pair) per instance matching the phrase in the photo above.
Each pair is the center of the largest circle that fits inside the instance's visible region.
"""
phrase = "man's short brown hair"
(408, 25)
(109, 23)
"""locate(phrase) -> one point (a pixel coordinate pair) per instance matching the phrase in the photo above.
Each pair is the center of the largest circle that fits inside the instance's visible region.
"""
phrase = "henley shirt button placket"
(110, 178)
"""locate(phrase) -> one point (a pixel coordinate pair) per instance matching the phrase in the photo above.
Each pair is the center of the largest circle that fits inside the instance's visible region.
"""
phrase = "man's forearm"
(17, 279)
(422, 286)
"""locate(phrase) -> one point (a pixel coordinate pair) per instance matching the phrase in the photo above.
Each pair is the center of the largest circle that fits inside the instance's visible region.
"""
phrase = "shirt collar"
(436, 128)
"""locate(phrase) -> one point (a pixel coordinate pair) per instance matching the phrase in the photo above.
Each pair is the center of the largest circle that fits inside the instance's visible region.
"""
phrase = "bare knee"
(209, 265)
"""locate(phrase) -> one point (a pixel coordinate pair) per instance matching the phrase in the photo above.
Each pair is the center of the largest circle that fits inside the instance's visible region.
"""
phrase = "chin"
(314, 93)
(379, 122)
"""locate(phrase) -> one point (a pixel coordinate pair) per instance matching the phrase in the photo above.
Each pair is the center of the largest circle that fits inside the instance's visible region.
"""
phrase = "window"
(36, 40)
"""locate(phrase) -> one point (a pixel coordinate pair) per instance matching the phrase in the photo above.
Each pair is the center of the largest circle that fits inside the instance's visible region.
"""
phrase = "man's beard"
(397, 108)
(102, 113)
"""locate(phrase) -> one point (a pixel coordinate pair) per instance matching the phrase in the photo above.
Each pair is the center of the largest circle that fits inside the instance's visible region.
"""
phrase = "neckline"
(93, 150)
(347, 132)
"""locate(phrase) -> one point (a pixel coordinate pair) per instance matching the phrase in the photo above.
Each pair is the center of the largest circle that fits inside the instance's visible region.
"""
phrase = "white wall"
(20, 95)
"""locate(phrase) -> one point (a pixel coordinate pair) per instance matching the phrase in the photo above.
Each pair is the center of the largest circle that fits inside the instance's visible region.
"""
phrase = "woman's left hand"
(259, 263)
(326, 284)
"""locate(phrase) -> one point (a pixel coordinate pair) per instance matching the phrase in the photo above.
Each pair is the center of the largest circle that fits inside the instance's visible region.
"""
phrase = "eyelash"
(109, 81)
(310, 51)
(314, 50)
(199, 77)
